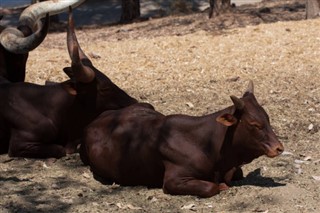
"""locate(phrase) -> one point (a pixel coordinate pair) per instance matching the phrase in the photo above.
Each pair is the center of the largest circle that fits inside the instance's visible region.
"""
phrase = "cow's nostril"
(279, 150)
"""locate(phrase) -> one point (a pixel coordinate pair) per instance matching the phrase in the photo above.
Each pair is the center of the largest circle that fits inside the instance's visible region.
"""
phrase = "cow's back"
(122, 146)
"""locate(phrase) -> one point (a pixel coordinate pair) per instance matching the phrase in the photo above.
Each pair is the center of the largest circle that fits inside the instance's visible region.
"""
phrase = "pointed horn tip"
(70, 14)
(250, 87)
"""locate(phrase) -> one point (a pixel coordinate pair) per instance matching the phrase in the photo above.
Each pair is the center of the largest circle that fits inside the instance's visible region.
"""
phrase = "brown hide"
(47, 121)
(185, 155)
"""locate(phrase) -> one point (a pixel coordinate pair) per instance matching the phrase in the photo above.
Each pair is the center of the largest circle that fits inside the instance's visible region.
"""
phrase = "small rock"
(298, 161)
(94, 55)
(189, 206)
(311, 110)
(129, 206)
(310, 127)
(86, 175)
(307, 158)
(317, 178)
(286, 153)
(233, 79)
(189, 104)
(55, 186)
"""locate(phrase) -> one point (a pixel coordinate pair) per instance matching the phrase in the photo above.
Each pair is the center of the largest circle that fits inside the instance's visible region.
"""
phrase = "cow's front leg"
(23, 147)
(233, 174)
(176, 183)
(36, 150)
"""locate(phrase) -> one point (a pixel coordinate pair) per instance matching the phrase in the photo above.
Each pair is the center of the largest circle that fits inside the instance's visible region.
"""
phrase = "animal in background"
(16, 43)
(43, 121)
(185, 155)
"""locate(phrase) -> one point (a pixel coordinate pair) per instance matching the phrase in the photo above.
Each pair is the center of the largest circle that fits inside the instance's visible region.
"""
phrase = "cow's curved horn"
(72, 38)
(238, 103)
(15, 41)
(81, 72)
(250, 88)
(37, 11)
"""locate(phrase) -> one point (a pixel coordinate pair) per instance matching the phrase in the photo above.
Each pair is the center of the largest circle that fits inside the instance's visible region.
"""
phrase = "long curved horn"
(37, 11)
(71, 38)
(15, 41)
(81, 72)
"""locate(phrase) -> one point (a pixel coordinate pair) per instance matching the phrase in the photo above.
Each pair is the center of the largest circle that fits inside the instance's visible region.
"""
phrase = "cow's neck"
(228, 156)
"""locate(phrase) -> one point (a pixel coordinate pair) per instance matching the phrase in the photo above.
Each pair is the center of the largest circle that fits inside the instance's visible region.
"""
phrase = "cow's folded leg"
(238, 174)
(189, 186)
(35, 150)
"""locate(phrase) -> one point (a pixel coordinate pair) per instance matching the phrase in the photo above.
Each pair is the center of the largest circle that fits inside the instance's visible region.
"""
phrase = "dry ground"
(188, 64)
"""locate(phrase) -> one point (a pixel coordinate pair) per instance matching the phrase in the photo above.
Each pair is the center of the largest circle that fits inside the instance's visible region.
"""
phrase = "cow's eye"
(257, 125)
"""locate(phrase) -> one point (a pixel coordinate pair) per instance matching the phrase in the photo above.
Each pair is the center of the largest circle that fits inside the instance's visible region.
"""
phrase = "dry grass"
(193, 70)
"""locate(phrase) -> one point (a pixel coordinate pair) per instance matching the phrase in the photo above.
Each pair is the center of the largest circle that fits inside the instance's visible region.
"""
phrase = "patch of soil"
(189, 64)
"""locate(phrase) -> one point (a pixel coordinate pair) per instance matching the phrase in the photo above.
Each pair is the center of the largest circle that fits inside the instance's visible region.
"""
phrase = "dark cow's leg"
(4, 141)
(233, 174)
(35, 150)
(23, 147)
(176, 184)
(83, 154)
(238, 174)
(4, 145)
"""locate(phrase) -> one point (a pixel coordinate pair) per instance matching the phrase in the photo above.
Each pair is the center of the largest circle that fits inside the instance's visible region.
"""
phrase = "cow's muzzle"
(274, 149)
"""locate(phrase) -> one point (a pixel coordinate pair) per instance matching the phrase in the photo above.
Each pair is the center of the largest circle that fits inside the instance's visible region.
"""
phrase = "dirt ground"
(191, 65)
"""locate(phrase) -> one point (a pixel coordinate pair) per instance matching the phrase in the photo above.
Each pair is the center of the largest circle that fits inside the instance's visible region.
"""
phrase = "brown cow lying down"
(47, 121)
(185, 155)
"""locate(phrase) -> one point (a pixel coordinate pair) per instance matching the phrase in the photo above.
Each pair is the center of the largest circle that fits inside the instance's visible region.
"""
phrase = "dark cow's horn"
(73, 38)
(81, 72)
(15, 41)
(238, 103)
(250, 88)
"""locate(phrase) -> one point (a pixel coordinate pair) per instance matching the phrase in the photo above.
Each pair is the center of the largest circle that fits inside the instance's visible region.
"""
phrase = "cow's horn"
(72, 38)
(15, 41)
(250, 88)
(238, 103)
(37, 11)
(81, 72)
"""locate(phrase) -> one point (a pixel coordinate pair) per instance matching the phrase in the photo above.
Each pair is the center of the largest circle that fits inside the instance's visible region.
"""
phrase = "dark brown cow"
(16, 43)
(45, 121)
(185, 155)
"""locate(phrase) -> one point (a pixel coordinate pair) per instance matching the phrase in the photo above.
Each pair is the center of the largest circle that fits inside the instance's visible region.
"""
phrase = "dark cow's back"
(127, 146)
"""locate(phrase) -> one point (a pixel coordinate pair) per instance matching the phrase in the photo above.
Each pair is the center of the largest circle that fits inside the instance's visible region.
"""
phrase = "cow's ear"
(227, 119)
(68, 71)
